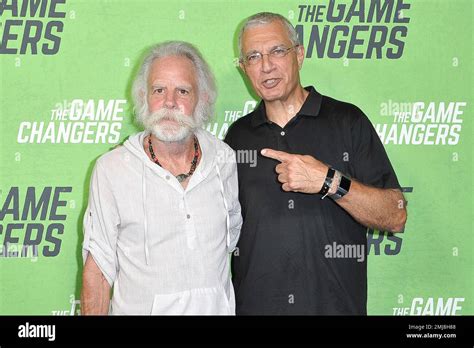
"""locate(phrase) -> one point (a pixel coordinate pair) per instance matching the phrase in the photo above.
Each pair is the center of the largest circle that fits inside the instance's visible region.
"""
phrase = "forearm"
(381, 209)
(95, 296)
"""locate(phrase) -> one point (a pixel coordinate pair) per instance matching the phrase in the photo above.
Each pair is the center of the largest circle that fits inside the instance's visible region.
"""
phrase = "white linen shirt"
(163, 248)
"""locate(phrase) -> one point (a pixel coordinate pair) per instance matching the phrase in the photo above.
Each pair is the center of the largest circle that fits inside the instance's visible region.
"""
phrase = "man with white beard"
(163, 212)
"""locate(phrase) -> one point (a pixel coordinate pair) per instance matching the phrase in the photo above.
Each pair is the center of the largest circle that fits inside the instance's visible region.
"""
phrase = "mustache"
(172, 115)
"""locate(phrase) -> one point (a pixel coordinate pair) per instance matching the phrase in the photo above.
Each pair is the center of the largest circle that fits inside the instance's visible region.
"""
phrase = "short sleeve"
(370, 161)
(101, 221)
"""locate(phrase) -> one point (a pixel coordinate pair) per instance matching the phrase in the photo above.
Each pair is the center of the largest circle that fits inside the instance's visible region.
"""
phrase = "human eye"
(253, 57)
(157, 90)
(278, 51)
(183, 91)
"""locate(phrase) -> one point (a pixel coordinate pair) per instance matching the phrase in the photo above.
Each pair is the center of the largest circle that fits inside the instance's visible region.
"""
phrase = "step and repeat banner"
(66, 68)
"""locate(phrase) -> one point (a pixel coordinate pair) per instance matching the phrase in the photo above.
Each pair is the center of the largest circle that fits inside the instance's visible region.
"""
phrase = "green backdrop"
(66, 70)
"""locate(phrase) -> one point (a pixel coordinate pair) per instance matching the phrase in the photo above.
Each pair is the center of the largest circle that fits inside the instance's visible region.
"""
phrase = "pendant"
(181, 177)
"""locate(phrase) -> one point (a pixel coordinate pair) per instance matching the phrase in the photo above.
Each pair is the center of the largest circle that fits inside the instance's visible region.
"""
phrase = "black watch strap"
(327, 182)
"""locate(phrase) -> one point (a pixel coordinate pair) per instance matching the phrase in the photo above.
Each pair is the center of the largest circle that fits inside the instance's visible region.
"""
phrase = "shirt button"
(282, 133)
(188, 216)
(167, 177)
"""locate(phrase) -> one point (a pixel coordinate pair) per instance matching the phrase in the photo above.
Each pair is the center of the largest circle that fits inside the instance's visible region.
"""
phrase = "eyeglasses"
(256, 57)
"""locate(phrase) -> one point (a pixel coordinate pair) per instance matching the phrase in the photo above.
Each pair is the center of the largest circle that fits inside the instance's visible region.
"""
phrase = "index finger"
(278, 155)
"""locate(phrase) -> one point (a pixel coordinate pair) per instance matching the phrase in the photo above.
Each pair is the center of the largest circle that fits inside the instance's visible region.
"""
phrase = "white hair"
(263, 18)
(207, 92)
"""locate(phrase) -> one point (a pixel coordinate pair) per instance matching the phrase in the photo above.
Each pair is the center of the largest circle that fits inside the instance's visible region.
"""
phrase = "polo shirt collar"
(310, 107)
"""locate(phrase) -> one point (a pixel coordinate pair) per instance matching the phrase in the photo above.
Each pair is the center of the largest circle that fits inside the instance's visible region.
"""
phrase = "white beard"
(184, 125)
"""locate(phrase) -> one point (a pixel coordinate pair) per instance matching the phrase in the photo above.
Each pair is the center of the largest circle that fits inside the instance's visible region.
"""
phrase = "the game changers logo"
(32, 221)
(31, 26)
(77, 122)
(421, 123)
(357, 29)
(431, 306)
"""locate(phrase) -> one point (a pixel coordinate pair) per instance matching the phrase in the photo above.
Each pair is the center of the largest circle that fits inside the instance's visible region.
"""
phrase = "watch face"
(345, 184)
(343, 188)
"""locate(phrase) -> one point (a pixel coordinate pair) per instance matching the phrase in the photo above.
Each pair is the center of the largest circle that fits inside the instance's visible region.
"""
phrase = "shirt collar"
(206, 164)
(310, 107)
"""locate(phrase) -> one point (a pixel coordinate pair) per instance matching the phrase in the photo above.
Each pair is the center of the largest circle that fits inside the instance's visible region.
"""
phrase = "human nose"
(267, 64)
(170, 100)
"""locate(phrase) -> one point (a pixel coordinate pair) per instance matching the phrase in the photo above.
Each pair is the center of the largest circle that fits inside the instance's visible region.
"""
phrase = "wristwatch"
(342, 189)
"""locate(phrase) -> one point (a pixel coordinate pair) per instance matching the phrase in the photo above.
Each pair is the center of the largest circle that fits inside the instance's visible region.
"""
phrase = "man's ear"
(243, 68)
(300, 55)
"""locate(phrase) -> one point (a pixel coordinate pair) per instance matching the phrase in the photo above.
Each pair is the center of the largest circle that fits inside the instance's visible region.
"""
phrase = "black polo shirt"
(289, 258)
